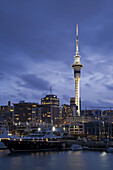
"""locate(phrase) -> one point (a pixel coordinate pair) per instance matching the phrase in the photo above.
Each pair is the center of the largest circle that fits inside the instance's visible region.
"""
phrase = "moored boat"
(76, 147)
(34, 143)
(2, 145)
(85, 147)
(110, 150)
(5, 136)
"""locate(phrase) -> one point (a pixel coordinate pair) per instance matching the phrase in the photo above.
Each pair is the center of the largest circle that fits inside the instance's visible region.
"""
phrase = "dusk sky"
(37, 48)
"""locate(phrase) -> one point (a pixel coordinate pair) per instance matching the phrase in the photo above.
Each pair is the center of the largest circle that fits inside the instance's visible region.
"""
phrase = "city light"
(39, 129)
(53, 128)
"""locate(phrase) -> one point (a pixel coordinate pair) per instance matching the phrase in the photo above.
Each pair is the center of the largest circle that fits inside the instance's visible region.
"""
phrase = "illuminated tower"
(77, 68)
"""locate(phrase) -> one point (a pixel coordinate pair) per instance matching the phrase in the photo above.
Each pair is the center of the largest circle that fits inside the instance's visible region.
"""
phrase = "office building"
(66, 111)
(24, 112)
(50, 105)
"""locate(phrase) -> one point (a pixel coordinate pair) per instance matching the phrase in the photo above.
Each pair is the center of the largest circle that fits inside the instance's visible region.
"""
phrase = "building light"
(53, 128)
(16, 114)
(64, 128)
(39, 129)
(29, 108)
(9, 134)
(29, 118)
(34, 105)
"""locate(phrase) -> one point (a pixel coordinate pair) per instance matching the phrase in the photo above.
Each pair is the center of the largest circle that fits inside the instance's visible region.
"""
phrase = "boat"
(110, 150)
(2, 145)
(76, 147)
(85, 147)
(5, 136)
(34, 143)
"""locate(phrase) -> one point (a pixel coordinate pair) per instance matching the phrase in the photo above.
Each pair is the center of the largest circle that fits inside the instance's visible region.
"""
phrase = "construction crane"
(102, 107)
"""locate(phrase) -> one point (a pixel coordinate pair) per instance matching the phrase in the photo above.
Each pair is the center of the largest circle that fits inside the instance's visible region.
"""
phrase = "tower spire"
(76, 40)
(50, 89)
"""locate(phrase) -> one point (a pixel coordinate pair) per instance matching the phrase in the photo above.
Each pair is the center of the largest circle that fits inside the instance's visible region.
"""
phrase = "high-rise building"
(50, 105)
(66, 111)
(77, 68)
(24, 112)
(73, 105)
(39, 113)
(6, 112)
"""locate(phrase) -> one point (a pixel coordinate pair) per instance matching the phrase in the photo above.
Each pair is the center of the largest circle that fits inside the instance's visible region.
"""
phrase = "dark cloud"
(109, 87)
(87, 84)
(43, 30)
(31, 81)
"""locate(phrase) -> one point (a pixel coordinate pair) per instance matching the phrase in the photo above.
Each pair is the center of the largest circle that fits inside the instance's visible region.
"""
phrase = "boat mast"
(51, 106)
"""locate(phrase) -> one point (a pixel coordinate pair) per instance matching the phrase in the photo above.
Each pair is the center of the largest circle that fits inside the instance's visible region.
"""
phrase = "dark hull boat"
(32, 146)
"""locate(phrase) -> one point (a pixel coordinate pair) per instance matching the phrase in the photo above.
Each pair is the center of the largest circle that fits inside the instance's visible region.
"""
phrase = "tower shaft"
(77, 94)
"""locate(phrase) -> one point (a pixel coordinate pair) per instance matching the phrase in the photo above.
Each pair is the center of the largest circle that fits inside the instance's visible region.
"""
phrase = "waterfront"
(80, 160)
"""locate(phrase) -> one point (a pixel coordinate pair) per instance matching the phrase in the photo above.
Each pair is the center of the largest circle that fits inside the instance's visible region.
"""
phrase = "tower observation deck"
(77, 68)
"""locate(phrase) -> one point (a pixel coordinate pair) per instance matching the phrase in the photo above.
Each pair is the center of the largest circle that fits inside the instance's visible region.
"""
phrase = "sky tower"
(77, 68)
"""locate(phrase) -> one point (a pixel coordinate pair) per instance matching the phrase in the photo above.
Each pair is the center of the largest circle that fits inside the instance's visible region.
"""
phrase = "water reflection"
(31, 154)
(72, 160)
(103, 155)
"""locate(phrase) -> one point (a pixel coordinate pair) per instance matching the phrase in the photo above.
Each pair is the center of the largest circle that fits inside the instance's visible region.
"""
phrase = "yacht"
(76, 147)
(34, 142)
(110, 150)
(5, 136)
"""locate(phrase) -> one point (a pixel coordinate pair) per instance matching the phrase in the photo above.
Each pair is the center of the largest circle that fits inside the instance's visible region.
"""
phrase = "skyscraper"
(50, 105)
(77, 68)
(24, 112)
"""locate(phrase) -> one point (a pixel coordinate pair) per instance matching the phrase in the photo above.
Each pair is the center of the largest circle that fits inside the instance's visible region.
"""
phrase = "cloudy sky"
(37, 46)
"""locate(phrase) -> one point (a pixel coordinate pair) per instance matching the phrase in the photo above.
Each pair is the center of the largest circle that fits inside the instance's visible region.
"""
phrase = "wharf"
(95, 149)
(90, 145)
(93, 144)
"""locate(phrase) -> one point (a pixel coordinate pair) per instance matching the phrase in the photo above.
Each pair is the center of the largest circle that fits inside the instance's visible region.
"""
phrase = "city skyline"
(37, 46)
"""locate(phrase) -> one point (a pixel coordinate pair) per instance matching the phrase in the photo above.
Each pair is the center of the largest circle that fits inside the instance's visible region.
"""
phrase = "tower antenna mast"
(50, 89)
(76, 40)
(51, 110)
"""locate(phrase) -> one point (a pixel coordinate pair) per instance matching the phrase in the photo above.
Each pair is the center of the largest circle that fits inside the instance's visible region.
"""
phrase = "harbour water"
(66, 160)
